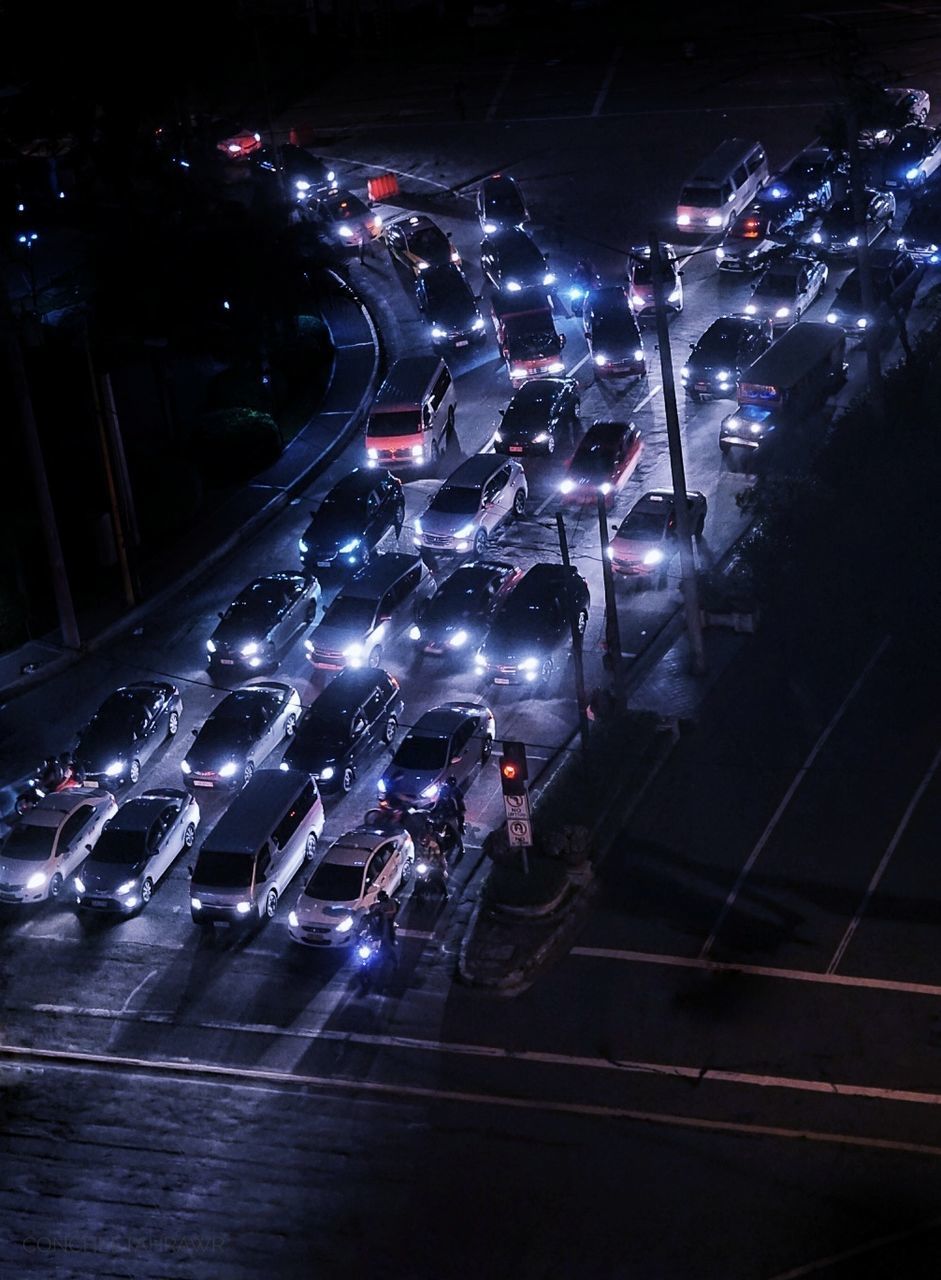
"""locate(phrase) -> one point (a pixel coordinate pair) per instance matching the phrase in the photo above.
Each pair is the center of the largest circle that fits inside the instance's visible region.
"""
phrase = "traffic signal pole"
(577, 640)
(514, 776)
(612, 625)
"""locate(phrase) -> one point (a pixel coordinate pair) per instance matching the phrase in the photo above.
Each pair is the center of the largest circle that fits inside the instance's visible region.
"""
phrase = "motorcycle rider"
(380, 921)
(434, 857)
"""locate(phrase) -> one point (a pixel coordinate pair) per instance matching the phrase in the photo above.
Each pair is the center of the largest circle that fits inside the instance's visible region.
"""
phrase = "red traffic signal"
(513, 768)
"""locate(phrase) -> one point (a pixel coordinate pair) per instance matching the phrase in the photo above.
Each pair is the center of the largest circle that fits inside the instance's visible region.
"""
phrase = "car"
(48, 844)
(604, 461)
(645, 542)
(127, 729)
(895, 276)
(136, 849)
(612, 333)
(814, 178)
(449, 306)
(533, 625)
(728, 346)
(455, 620)
(234, 141)
(893, 110)
(484, 493)
(786, 289)
(760, 235)
(640, 277)
(529, 342)
(352, 520)
(500, 204)
(356, 713)
(262, 623)
(910, 159)
(355, 869)
(921, 233)
(541, 410)
(368, 611)
(452, 740)
(417, 243)
(837, 232)
(511, 260)
(305, 176)
(346, 220)
(240, 734)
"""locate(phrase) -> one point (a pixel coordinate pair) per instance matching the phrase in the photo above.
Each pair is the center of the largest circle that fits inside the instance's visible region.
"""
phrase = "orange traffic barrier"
(386, 184)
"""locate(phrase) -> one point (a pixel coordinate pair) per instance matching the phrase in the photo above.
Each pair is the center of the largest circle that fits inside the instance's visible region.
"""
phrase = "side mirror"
(189, 869)
(194, 732)
(88, 847)
(614, 529)
(561, 339)
(691, 345)
(220, 615)
(456, 759)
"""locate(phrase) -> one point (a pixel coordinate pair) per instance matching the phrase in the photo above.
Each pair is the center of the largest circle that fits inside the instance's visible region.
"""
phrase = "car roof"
(53, 809)
(139, 813)
(358, 483)
(246, 824)
(353, 848)
(653, 501)
(438, 721)
(415, 222)
(475, 470)
(348, 689)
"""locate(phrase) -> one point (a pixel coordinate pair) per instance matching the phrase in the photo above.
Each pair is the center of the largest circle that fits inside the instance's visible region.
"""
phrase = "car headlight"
(756, 428)
(350, 546)
(862, 322)
(431, 791)
(639, 354)
(211, 644)
(418, 450)
(682, 219)
(465, 531)
(302, 185)
(637, 300)
(292, 919)
(723, 375)
(345, 925)
(715, 220)
(422, 265)
(126, 887)
(853, 241)
(417, 526)
(381, 786)
(817, 238)
(720, 254)
(302, 546)
(605, 488)
(684, 372)
(912, 174)
(196, 904)
(513, 286)
(498, 437)
(478, 323)
(436, 332)
(566, 486)
(528, 664)
(372, 454)
(518, 371)
(782, 313)
(750, 309)
(326, 773)
(459, 638)
(549, 278)
(37, 880)
(185, 766)
(79, 884)
(489, 228)
(228, 769)
(331, 175)
(422, 868)
(601, 361)
(376, 221)
(653, 557)
(243, 908)
(674, 296)
(753, 253)
(541, 438)
(114, 768)
(832, 317)
(249, 649)
(414, 632)
(346, 233)
(353, 650)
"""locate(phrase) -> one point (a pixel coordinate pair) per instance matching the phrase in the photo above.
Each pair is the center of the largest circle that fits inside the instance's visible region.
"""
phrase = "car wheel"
(248, 774)
(133, 774)
(545, 673)
(189, 836)
(407, 870)
(435, 453)
(486, 749)
(375, 655)
(173, 723)
(310, 848)
(347, 780)
(581, 622)
(399, 519)
(290, 725)
(271, 903)
(700, 525)
(388, 734)
(550, 444)
(519, 503)
(450, 426)
(480, 544)
(55, 885)
(146, 891)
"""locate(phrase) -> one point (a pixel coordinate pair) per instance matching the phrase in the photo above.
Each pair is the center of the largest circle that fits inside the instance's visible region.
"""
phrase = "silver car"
(50, 842)
(453, 739)
(484, 493)
(787, 289)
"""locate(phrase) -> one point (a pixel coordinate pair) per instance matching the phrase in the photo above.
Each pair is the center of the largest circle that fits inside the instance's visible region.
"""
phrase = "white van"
(412, 414)
(722, 186)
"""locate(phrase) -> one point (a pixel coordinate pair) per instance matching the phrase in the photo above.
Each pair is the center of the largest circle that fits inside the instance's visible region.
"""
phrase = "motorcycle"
(584, 278)
(371, 957)
(429, 878)
(53, 775)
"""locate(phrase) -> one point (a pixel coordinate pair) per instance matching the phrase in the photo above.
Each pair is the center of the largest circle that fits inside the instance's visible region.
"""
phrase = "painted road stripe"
(789, 796)
(606, 82)
(758, 971)
(258, 1077)
(647, 398)
(530, 1057)
(884, 862)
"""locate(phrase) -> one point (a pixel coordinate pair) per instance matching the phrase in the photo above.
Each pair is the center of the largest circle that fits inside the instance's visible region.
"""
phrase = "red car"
(603, 462)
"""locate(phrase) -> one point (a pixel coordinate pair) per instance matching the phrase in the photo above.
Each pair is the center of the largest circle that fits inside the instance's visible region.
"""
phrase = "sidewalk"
(353, 379)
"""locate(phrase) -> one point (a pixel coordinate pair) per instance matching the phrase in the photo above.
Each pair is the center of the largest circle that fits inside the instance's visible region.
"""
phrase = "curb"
(243, 533)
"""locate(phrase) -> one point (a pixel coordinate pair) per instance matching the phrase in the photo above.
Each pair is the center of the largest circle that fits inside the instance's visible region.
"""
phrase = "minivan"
(722, 186)
(485, 492)
(412, 415)
(256, 848)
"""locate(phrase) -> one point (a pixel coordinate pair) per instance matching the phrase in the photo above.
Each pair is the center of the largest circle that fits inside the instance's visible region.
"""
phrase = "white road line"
(760, 971)
(883, 863)
(504, 81)
(647, 398)
(572, 372)
(877, 1242)
(789, 795)
(606, 82)
(257, 1077)
(143, 982)
(553, 497)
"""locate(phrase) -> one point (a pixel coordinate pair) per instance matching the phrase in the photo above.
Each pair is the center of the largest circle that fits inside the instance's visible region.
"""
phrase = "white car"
(787, 288)
(50, 842)
(347, 882)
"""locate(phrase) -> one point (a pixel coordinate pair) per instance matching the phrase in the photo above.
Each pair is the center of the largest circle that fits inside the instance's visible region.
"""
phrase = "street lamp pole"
(29, 238)
(688, 584)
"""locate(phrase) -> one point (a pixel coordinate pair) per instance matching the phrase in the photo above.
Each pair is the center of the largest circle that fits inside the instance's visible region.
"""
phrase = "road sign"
(517, 807)
(520, 832)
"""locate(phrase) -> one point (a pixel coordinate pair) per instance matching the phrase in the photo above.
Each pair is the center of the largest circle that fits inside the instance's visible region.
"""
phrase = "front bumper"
(320, 935)
(505, 673)
(620, 368)
(212, 914)
(122, 905)
(200, 782)
(20, 896)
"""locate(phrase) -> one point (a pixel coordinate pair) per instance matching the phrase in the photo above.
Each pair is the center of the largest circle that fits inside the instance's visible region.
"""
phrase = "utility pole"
(577, 640)
(873, 361)
(612, 627)
(688, 584)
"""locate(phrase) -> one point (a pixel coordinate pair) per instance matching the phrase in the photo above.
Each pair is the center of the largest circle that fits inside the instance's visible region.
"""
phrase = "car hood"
(336, 639)
(535, 643)
(17, 872)
(408, 784)
(315, 911)
(311, 757)
(104, 877)
(445, 524)
(206, 758)
(232, 633)
(329, 533)
(453, 313)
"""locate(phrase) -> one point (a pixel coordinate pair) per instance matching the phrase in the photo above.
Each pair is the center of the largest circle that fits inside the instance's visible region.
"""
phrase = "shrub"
(234, 444)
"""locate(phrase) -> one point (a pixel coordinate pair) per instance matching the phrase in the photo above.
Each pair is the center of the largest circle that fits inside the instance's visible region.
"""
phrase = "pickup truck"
(526, 334)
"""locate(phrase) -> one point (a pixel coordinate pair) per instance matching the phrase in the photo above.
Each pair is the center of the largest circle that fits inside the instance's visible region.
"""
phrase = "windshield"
(29, 844)
(422, 754)
(339, 509)
(258, 600)
(840, 218)
(332, 882)
(721, 341)
(350, 613)
(614, 328)
(120, 846)
(322, 730)
(642, 524)
(107, 733)
(777, 286)
(223, 870)
(702, 197)
(453, 500)
(428, 243)
(224, 733)
(404, 423)
(850, 291)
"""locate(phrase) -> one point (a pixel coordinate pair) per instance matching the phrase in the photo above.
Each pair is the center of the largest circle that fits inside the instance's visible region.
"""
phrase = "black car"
(500, 204)
(240, 733)
(895, 276)
(814, 179)
(353, 518)
(761, 234)
(262, 622)
(126, 730)
(456, 618)
(417, 243)
(532, 626)
(540, 411)
(357, 711)
(448, 304)
(613, 333)
(837, 233)
(890, 111)
(728, 346)
(921, 234)
(512, 261)
(305, 176)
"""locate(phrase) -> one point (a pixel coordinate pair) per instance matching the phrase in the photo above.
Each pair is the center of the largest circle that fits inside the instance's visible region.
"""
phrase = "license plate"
(701, 386)
(324, 564)
(463, 343)
(99, 902)
(198, 782)
(516, 448)
(227, 662)
(500, 680)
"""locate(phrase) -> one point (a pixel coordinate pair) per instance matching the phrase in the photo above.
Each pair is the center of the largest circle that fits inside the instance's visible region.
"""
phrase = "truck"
(788, 381)
(526, 334)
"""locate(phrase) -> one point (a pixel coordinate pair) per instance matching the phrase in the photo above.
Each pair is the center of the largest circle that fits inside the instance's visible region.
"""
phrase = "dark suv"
(355, 515)
(728, 346)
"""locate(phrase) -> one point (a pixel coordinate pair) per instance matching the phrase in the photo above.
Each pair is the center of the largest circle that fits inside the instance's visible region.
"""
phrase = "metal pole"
(120, 460)
(688, 584)
(119, 539)
(612, 627)
(864, 265)
(577, 639)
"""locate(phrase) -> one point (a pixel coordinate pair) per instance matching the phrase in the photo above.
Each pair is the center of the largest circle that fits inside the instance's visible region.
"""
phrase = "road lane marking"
(575, 368)
(606, 82)
(877, 1242)
(789, 796)
(884, 862)
(143, 982)
(648, 397)
(759, 971)
(504, 81)
(258, 1077)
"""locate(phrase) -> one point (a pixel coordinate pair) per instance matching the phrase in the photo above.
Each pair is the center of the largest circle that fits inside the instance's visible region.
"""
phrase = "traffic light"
(513, 769)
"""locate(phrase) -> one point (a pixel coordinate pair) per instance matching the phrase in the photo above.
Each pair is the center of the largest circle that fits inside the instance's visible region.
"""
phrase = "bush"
(234, 444)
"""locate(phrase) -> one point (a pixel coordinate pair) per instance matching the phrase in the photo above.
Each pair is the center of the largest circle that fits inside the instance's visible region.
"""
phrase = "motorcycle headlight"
(431, 791)
(185, 766)
(653, 557)
(513, 286)
(211, 644)
(243, 908)
(458, 639)
(438, 333)
(302, 546)
(126, 887)
(228, 769)
(114, 768)
(37, 880)
(345, 925)
(478, 323)
(414, 632)
(350, 546)
(249, 649)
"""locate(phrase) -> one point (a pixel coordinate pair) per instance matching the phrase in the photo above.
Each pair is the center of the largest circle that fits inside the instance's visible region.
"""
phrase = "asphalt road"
(698, 1089)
